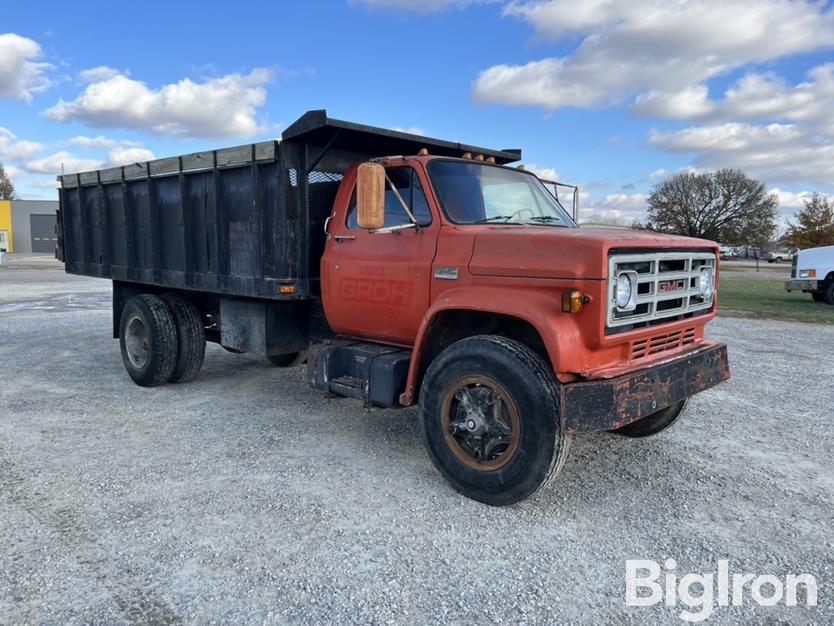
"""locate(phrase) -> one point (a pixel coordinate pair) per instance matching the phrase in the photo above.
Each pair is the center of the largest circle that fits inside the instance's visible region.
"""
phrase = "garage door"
(43, 233)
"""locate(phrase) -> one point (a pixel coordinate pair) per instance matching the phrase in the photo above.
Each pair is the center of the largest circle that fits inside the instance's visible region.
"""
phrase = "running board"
(370, 372)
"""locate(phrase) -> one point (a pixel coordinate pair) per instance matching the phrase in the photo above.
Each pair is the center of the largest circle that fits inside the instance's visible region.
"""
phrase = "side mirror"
(370, 196)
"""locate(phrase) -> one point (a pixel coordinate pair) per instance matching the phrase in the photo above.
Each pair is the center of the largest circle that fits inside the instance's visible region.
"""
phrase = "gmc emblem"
(665, 286)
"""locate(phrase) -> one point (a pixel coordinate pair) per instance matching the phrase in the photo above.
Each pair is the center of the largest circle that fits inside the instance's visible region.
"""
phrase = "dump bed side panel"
(225, 223)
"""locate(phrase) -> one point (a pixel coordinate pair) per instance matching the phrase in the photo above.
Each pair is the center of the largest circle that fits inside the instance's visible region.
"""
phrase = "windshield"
(477, 193)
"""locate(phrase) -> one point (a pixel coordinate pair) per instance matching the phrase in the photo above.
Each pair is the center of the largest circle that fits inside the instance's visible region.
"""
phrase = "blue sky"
(609, 94)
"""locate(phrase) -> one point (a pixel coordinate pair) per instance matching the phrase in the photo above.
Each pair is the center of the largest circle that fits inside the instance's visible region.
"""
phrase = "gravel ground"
(245, 496)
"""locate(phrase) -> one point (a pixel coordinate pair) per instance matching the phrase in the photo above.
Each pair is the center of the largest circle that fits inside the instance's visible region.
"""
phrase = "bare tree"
(6, 186)
(816, 224)
(726, 206)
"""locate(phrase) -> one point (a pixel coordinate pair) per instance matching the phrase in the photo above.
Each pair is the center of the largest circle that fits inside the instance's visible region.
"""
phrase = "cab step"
(370, 372)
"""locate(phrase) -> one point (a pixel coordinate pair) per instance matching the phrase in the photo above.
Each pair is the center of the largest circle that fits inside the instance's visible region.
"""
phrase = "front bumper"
(614, 402)
(801, 285)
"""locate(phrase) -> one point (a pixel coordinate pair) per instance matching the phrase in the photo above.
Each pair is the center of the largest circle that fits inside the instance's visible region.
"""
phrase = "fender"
(539, 308)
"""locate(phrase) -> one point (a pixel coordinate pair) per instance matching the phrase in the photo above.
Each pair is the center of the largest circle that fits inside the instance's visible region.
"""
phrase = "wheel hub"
(481, 423)
(137, 344)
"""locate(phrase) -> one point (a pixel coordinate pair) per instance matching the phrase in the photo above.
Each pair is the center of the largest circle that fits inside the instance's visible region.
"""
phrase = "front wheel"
(818, 296)
(829, 292)
(654, 423)
(490, 419)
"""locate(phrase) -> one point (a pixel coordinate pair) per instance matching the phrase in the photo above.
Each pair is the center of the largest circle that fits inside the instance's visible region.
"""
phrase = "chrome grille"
(793, 264)
(666, 283)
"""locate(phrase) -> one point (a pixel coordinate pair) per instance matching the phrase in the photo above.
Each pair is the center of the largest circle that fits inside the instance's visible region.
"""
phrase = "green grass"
(765, 297)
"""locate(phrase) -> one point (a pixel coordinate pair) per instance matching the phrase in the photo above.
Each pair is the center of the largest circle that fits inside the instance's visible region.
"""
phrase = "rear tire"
(148, 340)
(191, 337)
(654, 423)
(288, 360)
(490, 419)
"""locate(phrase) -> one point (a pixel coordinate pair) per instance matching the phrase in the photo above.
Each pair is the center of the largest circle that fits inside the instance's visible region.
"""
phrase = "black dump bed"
(238, 221)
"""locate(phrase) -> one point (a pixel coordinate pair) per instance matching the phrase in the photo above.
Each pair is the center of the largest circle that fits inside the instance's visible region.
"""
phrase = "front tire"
(829, 292)
(148, 340)
(654, 423)
(490, 419)
(818, 296)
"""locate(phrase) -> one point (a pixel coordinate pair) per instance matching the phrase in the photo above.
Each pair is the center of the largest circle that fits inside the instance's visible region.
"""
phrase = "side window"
(407, 183)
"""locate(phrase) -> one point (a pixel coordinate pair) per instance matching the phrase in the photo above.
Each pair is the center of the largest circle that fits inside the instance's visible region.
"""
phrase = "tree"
(726, 206)
(6, 187)
(816, 224)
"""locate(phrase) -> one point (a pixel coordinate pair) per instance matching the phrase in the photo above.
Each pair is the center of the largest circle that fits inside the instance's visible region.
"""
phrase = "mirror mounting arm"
(400, 198)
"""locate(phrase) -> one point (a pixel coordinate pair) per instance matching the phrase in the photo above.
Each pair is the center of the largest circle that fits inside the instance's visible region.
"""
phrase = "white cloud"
(794, 201)
(21, 74)
(92, 143)
(658, 174)
(98, 74)
(629, 49)
(218, 107)
(13, 150)
(753, 97)
(690, 102)
(12, 172)
(548, 173)
(54, 163)
(414, 130)
(124, 155)
(102, 142)
(775, 153)
(72, 163)
(729, 137)
(621, 209)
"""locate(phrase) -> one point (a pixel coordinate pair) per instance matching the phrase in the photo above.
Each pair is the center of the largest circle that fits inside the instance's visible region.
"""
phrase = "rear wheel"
(654, 423)
(191, 337)
(288, 360)
(148, 340)
(490, 421)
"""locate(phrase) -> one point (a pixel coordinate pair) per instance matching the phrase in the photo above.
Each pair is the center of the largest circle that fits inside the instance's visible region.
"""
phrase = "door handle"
(344, 237)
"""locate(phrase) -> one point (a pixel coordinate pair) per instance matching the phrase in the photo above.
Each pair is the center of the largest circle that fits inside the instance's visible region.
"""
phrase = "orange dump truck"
(406, 271)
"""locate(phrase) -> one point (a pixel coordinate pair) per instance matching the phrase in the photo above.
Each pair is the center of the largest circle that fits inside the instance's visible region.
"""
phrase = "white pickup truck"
(813, 272)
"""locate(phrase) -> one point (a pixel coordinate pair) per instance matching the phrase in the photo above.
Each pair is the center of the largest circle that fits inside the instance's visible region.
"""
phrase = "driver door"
(377, 284)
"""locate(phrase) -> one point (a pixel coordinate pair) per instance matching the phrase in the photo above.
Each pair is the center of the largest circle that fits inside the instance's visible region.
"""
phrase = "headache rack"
(667, 286)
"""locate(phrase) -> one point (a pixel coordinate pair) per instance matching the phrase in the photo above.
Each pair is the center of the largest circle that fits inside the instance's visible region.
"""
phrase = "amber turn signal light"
(574, 301)
(287, 289)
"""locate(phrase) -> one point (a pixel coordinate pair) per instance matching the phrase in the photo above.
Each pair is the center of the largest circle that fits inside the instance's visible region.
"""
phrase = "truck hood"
(572, 253)
(820, 259)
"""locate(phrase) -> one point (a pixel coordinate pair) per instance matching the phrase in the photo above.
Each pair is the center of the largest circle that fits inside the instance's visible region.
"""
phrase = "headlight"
(706, 282)
(624, 294)
(807, 273)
